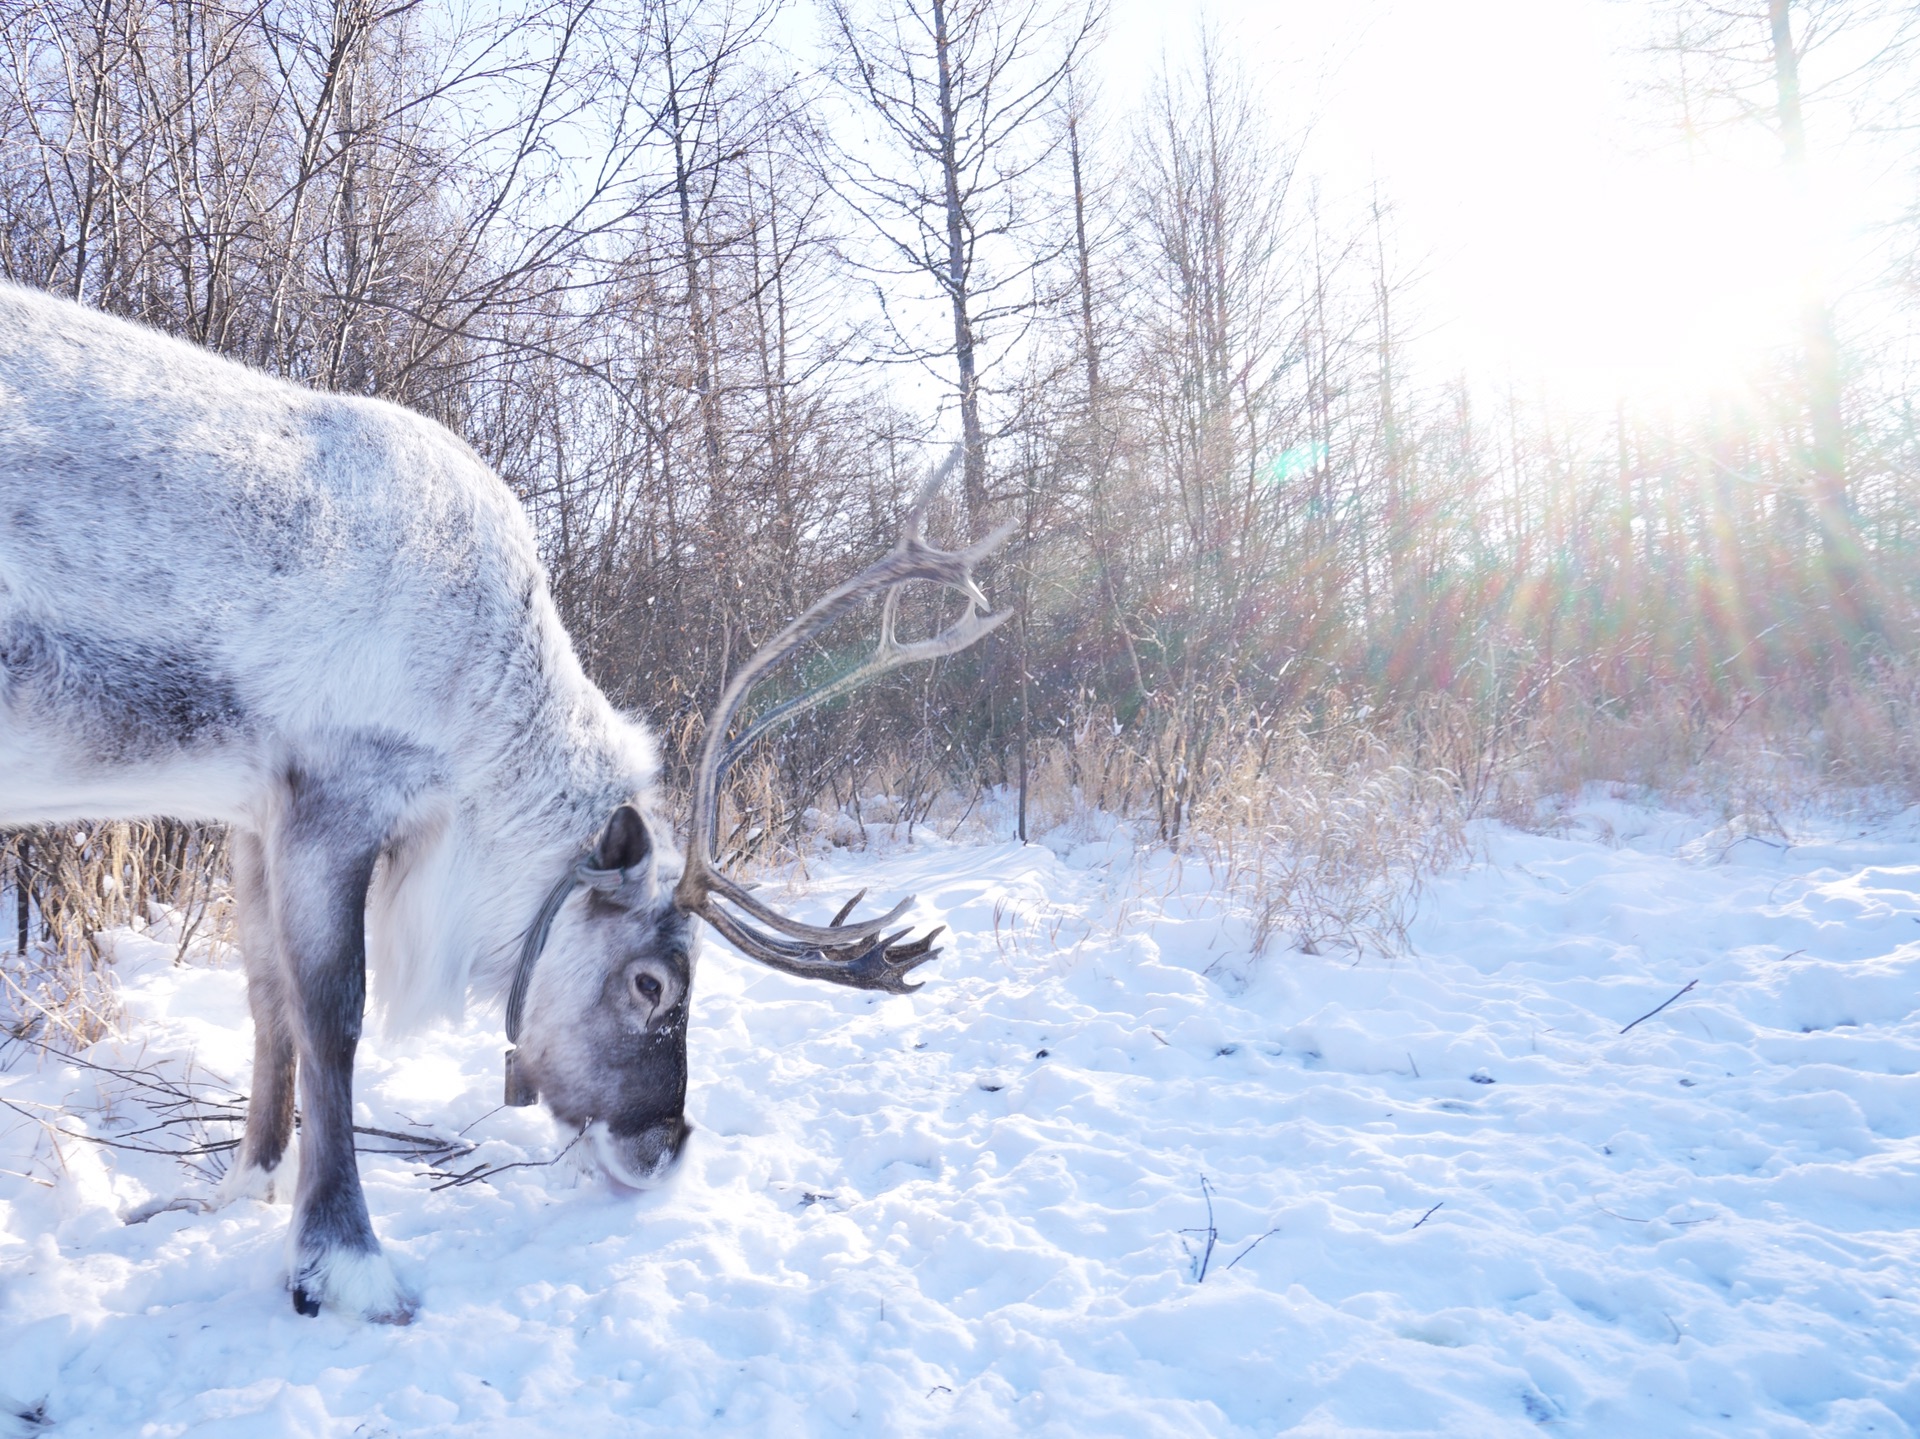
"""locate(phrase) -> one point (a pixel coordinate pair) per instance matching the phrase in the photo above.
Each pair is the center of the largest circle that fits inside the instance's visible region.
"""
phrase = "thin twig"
(1250, 1248)
(1658, 1007)
(192, 1151)
(1739, 715)
(142, 1078)
(1677, 1223)
(1425, 1217)
(486, 1172)
(181, 1104)
(416, 1145)
(482, 1119)
(1627, 1217)
(1211, 1231)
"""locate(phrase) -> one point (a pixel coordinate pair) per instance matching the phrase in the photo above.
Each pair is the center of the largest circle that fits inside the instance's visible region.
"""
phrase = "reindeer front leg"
(319, 871)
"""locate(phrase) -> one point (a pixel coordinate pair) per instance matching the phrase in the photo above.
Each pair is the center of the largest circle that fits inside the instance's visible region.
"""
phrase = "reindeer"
(322, 621)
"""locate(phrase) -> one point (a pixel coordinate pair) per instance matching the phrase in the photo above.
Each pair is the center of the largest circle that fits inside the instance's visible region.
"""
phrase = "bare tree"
(1213, 297)
(961, 93)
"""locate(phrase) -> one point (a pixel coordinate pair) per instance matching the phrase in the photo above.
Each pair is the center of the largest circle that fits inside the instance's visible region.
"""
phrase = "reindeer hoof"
(354, 1282)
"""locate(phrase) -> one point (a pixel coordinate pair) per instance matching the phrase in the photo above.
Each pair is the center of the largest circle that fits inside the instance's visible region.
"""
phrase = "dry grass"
(63, 888)
(1868, 733)
(1320, 829)
(1330, 833)
(1849, 746)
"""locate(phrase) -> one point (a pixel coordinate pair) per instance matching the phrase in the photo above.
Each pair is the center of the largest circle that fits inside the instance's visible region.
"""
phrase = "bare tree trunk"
(1083, 262)
(697, 332)
(974, 471)
(1827, 457)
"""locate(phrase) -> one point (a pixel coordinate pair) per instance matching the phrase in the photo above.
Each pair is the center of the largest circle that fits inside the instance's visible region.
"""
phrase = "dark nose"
(648, 1155)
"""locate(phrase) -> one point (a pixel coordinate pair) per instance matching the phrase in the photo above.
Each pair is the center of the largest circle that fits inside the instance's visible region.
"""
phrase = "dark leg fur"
(320, 864)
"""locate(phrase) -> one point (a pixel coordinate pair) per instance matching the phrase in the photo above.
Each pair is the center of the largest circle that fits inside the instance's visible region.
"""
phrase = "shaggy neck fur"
(456, 894)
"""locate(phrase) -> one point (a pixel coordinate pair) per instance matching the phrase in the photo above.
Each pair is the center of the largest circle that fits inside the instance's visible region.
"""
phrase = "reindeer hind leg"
(265, 1166)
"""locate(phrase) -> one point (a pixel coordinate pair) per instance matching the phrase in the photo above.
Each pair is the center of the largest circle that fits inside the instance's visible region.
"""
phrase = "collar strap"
(581, 873)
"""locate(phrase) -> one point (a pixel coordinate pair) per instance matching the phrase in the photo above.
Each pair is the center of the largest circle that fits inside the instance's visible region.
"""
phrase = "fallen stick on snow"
(1250, 1248)
(1658, 1007)
(484, 1173)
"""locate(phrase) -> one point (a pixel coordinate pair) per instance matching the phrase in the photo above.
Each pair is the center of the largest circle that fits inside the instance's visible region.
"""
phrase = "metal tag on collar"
(520, 1090)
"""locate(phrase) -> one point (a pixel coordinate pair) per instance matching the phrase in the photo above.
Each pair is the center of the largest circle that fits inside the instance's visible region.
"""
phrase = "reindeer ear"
(625, 843)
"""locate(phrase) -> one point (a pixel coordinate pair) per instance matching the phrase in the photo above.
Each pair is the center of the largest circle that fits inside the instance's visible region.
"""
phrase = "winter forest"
(1404, 690)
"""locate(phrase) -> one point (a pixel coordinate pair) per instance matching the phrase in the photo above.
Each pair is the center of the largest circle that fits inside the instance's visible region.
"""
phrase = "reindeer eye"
(647, 987)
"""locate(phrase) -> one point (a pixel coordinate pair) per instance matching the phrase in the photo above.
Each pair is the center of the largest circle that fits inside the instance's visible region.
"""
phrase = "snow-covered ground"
(1449, 1195)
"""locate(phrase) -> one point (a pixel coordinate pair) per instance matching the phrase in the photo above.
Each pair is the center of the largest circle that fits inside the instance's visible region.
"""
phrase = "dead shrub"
(1330, 826)
(1797, 743)
(1322, 827)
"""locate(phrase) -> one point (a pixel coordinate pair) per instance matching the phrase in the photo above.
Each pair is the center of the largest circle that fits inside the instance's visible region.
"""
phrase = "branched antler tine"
(954, 567)
(956, 637)
(870, 967)
(760, 942)
(845, 910)
(751, 942)
(912, 560)
(922, 502)
(847, 953)
(919, 948)
(817, 934)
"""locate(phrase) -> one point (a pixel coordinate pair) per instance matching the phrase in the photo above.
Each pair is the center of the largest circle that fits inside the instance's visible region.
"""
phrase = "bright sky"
(1563, 236)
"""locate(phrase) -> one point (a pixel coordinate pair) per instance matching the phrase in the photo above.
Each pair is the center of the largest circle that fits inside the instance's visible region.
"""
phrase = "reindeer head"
(599, 1006)
(605, 1014)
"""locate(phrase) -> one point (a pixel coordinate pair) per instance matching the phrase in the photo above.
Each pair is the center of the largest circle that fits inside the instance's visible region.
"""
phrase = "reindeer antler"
(856, 954)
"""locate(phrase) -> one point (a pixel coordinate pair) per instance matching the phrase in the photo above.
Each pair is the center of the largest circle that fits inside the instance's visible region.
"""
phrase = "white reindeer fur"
(249, 1181)
(326, 565)
(360, 1284)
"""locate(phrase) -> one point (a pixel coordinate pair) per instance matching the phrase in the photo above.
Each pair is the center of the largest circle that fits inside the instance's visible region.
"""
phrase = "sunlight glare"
(1557, 229)
(1664, 279)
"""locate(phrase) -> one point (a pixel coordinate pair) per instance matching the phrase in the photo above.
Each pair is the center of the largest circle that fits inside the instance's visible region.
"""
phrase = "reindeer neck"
(547, 818)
